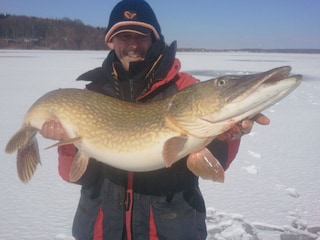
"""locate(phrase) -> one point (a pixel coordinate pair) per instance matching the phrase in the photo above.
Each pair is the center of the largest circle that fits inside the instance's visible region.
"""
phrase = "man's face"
(130, 47)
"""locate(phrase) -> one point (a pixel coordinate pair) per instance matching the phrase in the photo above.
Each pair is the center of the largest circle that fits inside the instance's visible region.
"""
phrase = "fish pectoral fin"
(79, 166)
(64, 142)
(205, 165)
(201, 127)
(27, 160)
(171, 149)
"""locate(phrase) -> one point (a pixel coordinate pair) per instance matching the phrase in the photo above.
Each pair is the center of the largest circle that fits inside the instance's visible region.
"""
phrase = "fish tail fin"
(79, 166)
(21, 138)
(28, 159)
(205, 165)
(26, 145)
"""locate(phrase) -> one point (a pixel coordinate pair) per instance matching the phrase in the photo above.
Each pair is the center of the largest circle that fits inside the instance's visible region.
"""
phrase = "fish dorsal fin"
(64, 142)
(28, 159)
(171, 149)
(79, 166)
(205, 165)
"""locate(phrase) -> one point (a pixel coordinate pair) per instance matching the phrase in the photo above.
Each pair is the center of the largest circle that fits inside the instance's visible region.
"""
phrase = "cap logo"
(129, 15)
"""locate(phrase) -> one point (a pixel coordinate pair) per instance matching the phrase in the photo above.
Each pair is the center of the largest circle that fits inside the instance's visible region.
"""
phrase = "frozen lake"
(273, 183)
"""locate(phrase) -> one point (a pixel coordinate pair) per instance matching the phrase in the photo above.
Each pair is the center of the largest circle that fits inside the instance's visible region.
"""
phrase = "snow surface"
(272, 189)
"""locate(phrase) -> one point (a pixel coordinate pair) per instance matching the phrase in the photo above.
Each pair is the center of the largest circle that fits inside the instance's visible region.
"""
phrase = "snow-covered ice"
(271, 191)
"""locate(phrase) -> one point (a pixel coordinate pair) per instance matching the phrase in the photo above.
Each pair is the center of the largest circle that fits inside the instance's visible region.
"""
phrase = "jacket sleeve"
(224, 151)
(66, 156)
(65, 159)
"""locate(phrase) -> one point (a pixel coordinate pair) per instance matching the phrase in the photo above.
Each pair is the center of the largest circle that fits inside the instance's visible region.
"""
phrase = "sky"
(214, 24)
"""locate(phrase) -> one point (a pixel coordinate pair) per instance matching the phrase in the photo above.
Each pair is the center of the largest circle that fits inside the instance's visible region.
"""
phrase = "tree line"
(25, 32)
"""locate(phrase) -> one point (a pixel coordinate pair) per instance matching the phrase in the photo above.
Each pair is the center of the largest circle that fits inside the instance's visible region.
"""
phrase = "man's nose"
(134, 41)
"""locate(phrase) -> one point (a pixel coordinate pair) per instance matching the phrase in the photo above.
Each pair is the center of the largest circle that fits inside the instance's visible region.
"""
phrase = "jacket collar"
(158, 68)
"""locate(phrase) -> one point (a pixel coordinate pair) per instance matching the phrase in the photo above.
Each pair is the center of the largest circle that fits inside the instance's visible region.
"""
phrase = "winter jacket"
(161, 204)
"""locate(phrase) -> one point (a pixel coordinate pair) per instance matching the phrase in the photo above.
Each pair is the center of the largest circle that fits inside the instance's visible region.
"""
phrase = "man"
(161, 204)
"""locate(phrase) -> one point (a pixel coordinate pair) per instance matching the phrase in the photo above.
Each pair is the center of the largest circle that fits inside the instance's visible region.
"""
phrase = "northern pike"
(149, 136)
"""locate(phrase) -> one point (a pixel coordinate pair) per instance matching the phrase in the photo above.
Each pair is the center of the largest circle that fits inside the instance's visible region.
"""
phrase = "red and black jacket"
(162, 204)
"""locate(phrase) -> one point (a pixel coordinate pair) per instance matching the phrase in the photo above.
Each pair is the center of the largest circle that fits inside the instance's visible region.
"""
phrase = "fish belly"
(144, 159)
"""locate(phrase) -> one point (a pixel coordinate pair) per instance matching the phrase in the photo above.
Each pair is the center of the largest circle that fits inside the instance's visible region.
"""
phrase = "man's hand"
(243, 127)
(53, 129)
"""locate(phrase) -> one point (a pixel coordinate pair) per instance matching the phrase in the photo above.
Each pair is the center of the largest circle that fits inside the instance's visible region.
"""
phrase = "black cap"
(133, 16)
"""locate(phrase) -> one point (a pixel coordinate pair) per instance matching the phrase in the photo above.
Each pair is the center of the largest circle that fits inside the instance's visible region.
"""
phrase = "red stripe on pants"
(98, 228)
(129, 202)
(152, 227)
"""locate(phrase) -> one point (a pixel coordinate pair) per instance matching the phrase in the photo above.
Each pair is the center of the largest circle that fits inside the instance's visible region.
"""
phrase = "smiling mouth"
(134, 54)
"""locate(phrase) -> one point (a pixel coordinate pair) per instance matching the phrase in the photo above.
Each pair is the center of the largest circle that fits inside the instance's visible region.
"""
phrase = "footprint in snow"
(251, 169)
(254, 154)
(292, 192)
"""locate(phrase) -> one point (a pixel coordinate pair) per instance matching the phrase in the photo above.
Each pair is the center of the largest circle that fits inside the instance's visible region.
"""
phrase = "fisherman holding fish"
(161, 204)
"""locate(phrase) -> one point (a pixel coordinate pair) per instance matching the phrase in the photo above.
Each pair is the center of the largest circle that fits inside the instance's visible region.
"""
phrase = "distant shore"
(25, 32)
(254, 50)
(296, 51)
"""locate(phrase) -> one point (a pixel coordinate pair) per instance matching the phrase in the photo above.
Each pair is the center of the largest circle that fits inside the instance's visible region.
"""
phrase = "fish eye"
(221, 82)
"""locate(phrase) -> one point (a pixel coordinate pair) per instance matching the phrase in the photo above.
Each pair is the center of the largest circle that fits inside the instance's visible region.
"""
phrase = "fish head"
(244, 96)
(219, 103)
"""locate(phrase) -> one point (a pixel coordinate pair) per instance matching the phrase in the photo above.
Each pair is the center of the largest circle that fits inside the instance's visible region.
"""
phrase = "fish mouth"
(247, 85)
